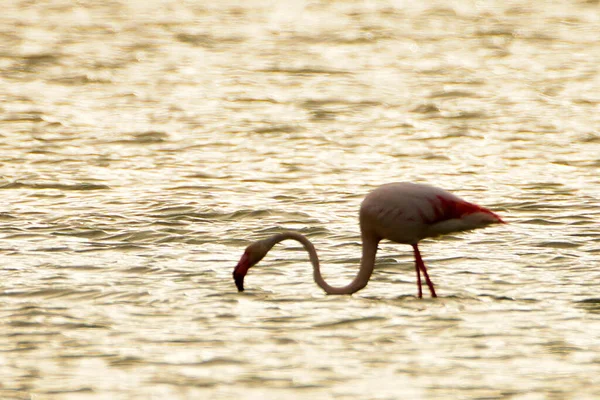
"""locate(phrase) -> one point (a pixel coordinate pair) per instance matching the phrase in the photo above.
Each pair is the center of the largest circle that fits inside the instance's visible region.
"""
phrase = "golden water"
(144, 144)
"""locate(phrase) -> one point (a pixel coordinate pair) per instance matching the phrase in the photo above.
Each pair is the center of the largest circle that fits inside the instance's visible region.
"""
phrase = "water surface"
(143, 145)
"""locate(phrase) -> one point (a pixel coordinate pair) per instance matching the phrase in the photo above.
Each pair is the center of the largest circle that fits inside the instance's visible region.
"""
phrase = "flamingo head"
(252, 255)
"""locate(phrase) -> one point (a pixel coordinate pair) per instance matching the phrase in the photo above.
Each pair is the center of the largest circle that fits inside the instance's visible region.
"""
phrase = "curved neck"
(369, 249)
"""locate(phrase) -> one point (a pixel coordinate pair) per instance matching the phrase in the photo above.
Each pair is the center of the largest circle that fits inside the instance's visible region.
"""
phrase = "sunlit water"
(144, 144)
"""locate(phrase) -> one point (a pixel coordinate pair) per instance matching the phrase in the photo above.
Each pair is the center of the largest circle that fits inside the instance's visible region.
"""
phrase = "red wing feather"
(445, 209)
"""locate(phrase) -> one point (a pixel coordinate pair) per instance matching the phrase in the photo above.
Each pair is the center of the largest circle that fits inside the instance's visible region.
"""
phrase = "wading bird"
(400, 212)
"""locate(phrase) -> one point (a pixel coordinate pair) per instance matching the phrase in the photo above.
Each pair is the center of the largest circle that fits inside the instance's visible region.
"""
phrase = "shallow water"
(143, 145)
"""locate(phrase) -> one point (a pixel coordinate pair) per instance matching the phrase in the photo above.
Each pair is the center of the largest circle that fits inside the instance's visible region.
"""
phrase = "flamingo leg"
(420, 265)
(419, 280)
(418, 268)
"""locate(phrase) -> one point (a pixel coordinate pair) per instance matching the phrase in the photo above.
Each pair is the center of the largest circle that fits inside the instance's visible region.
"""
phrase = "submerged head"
(252, 255)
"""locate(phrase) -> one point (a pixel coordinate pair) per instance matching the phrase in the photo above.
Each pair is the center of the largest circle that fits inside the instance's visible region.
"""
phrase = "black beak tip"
(239, 282)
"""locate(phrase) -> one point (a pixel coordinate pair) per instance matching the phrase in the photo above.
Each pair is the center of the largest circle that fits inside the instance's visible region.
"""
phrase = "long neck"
(369, 249)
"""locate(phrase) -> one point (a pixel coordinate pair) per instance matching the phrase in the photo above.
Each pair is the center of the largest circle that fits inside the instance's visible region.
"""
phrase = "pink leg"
(419, 279)
(420, 265)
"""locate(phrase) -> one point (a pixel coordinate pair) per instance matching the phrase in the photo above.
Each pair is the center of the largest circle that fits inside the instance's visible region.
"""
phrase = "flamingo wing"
(449, 213)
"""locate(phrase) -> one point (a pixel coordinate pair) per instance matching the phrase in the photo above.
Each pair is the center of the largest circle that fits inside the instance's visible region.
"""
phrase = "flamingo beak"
(240, 271)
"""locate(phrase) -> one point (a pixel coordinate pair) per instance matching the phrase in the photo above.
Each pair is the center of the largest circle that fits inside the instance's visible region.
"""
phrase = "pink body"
(408, 212)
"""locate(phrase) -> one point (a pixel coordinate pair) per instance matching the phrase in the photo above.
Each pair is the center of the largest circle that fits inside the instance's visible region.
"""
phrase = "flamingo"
(400, 212)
